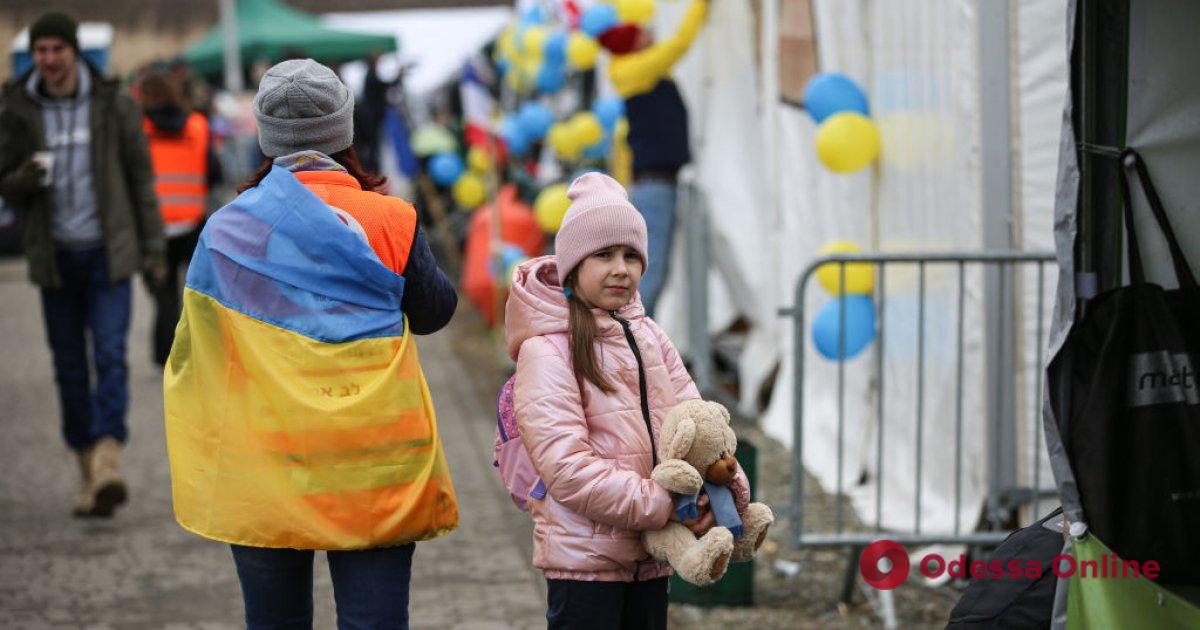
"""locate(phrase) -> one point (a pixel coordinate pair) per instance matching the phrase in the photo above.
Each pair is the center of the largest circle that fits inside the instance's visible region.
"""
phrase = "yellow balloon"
(860, 277)
(582, 51)
(550, 207)
(507, 45)
(477, 160)
(469, 192)
(587, 129)
(532, 41)
(847, 142)
(621, 129)
(562, 139)
(519, 78)
(636, 11)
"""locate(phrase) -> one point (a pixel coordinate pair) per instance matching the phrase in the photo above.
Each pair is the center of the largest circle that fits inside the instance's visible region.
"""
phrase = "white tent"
(435, 41)
(773, 205)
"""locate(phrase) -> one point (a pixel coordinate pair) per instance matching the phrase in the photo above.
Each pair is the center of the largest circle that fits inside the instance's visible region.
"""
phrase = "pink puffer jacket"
(592, 449)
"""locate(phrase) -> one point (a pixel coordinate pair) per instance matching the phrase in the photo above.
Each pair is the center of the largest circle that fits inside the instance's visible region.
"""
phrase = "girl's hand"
(704, 521)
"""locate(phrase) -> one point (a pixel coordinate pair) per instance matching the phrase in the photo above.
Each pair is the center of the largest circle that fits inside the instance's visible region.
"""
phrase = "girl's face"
(608, 279)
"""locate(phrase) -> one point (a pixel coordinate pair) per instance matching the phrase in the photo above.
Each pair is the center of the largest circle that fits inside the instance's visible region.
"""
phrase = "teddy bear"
(696, 449)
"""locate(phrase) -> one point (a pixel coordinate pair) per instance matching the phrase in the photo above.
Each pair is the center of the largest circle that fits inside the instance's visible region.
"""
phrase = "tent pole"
(232, 56)
(995, 84)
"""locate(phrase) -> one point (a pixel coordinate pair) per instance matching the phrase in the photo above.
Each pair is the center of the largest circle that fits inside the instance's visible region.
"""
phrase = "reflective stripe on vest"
(180, 168)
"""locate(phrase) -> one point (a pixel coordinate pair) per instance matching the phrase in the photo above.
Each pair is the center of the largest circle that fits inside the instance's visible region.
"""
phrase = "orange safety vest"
(389, 223)
(180, 168)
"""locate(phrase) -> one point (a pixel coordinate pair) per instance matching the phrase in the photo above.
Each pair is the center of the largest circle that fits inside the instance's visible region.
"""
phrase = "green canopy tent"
(267, 29)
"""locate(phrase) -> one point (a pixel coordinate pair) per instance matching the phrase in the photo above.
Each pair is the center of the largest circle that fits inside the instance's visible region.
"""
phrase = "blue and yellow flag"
(297, 414)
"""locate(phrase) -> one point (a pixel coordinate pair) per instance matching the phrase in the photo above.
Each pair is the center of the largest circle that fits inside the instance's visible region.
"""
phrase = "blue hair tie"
(568, 292)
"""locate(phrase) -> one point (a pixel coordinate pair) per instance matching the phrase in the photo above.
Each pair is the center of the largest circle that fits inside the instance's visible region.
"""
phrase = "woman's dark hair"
(347, 157)
(157, 90)
(582, 330)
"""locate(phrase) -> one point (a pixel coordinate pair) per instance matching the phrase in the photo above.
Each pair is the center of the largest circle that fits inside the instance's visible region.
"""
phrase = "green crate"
(737, 587)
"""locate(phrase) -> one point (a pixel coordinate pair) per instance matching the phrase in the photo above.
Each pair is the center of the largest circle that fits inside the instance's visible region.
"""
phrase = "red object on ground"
(517, 227)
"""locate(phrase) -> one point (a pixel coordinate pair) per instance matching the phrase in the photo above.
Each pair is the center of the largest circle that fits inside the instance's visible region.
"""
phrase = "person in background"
(74, 162)
(640, 71)
(185, 169)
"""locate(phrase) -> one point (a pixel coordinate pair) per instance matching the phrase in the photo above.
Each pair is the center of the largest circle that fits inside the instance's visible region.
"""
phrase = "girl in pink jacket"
(595, 377)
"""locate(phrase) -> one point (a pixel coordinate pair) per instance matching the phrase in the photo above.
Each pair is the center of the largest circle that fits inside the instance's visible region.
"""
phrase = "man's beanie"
(55, 24)
(599, 216)
(303, 105)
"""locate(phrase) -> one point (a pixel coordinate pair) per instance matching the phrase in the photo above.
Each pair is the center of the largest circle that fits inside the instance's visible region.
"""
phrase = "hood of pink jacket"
(536, 306)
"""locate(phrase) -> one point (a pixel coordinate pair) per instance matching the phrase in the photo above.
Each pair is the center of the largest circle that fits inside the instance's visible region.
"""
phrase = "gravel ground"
(806, 600)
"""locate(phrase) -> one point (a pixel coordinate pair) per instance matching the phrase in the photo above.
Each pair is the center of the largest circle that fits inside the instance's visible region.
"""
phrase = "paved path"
(140, 570)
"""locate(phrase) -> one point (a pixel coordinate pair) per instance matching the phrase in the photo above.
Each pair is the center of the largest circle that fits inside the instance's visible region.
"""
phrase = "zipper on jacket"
(637, 354)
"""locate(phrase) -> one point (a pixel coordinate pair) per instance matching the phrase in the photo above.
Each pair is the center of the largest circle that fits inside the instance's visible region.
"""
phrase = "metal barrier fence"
(1003, 493)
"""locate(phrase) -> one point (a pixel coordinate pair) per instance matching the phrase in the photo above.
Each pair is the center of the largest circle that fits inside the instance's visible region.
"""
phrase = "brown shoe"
(86, 500)
(108, 486)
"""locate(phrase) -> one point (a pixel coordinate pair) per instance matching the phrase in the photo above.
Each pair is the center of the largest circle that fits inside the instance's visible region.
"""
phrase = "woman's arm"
(429, 299)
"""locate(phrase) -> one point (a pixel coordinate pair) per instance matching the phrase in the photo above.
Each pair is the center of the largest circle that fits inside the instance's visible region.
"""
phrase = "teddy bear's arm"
(677, 476)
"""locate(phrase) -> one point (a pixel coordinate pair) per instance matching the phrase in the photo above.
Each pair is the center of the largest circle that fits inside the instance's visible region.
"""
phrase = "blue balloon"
(535, 16)
(598, 18)
(831, 92)
(514, 137)
(551, 78)
(446, 168)
(509, 255)
(554, 51)
(535, 120)
(609, 110)
(860, 326)
(502, 66)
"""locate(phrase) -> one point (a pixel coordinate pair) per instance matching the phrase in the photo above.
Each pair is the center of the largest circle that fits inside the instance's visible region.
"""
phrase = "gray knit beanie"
(302, 105)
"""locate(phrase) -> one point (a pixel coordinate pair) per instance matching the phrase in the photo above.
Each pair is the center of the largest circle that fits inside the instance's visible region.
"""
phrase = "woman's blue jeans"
(370, 587)
(655, 199)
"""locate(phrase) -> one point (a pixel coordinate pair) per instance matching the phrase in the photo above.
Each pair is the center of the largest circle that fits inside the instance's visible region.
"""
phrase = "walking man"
(74, 162)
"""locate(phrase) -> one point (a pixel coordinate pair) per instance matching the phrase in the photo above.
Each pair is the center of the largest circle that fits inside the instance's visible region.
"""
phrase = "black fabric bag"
(1132, 433)
(1015, 603)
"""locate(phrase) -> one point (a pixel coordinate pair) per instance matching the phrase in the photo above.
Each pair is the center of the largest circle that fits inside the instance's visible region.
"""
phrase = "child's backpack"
(511, 460)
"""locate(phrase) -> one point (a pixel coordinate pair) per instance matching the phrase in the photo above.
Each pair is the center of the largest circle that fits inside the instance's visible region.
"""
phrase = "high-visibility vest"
(180, 169)
(297, 414)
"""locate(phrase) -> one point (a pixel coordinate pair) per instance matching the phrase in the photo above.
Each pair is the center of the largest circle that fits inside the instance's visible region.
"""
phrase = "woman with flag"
(297, 413)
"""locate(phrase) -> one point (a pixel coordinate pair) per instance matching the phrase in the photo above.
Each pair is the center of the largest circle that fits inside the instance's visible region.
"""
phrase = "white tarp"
(436, 41)
(918, 62)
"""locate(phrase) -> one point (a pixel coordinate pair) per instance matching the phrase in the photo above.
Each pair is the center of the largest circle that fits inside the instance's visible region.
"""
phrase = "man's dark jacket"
(122, 177)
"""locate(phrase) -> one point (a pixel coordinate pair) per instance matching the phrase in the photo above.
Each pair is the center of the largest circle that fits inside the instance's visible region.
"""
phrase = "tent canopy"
(267, 29)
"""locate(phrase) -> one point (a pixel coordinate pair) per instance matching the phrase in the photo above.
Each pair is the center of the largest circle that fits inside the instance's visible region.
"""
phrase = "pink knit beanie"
(600, 216)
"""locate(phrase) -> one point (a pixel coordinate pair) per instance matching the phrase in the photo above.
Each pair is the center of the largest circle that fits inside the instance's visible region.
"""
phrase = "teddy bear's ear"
(724, 411)
(730, 439)
(679, 442)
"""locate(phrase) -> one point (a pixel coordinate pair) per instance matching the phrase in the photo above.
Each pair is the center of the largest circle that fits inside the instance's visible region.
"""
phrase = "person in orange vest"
(185, 170)
(297, 414)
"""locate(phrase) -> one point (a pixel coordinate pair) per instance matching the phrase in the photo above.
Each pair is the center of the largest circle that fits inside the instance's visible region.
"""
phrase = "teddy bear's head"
(698, 432)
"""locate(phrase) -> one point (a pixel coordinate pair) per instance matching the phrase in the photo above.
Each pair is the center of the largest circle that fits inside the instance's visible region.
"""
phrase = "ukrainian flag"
(297, 414)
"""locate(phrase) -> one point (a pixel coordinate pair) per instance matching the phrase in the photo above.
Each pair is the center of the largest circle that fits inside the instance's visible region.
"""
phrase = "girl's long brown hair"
(582, 329)
(347, 157)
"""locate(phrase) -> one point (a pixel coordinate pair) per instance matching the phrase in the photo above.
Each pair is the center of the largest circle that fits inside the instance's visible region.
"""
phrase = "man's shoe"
(86, 500)
(108, 486)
